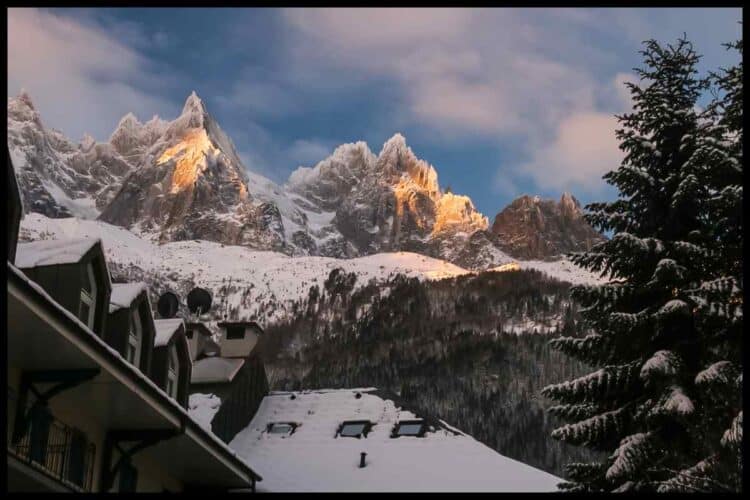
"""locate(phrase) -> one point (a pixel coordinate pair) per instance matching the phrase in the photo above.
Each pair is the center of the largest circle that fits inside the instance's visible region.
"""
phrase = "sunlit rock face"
(532, 228)
(388, 202)
(190, 184)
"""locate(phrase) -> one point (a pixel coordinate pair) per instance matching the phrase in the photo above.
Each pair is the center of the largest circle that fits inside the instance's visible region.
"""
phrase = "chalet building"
(172, 366)
(74, 274)
(130, 325)
(15, 209)
(198, 336)
(97, 390)
(234, 375)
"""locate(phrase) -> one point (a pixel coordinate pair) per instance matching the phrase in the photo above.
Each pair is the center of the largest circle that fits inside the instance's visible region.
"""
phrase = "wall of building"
(238, 348)
(151, 476)
(240, 400)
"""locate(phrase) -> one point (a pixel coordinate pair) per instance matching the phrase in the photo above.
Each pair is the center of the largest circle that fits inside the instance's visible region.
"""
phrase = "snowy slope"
(254, 281)
(312, 459)
(272, 277)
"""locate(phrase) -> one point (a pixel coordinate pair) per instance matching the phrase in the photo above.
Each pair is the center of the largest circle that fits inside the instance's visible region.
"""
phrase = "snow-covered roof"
(123, 294)
(165, 328)
(312, 459)
(52, 252)
(215, 370)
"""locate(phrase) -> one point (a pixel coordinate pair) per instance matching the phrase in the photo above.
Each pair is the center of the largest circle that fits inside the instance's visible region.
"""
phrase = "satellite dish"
(168, 305)
(199, 300)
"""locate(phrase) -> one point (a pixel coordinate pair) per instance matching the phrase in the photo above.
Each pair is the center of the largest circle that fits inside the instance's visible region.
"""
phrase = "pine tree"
(666, 328)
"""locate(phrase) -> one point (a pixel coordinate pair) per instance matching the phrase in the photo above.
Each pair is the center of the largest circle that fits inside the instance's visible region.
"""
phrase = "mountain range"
(184, 180)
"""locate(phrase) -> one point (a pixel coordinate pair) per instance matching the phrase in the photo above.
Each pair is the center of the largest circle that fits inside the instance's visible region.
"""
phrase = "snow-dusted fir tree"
(665, 331)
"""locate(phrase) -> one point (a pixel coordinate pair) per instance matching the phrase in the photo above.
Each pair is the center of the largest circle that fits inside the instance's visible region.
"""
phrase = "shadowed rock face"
(532, 228)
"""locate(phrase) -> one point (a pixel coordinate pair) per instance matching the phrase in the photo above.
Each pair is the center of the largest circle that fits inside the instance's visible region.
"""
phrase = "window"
(172, 372)
(128, 478)
(87, 308)
(415, 428)
(135, 336)
(354, 428)
(235, 332)
(283, 428)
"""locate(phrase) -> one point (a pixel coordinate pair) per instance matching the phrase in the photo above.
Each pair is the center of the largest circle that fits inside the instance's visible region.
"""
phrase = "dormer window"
(87, 308)
(172, 372)
(354, 428)
(135, 334)
(235, 332)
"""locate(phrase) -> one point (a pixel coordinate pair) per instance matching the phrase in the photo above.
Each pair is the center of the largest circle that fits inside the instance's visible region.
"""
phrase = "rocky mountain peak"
(569, 206)
(395, 145)
(22, 108)
(25, 98)
(129, 121)
(87, 143)
(534, 228)
(193, 104)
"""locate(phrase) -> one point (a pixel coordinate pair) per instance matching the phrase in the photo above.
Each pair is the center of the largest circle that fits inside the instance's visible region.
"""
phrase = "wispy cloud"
(81, 76)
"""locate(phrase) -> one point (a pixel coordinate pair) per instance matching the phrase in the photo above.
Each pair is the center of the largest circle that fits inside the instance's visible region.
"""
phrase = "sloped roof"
(165, 329)
(123, 294)
(215, 370)
(52, 252)
(312, 459)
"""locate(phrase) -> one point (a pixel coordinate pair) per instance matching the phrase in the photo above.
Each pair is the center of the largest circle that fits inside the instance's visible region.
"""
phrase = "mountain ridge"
(183, 179)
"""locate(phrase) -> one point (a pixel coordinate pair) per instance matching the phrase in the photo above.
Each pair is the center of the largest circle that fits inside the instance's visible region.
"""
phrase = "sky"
(502, 102)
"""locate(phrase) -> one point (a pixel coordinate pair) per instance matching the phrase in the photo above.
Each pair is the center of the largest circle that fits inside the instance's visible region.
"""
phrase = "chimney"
(362, 460)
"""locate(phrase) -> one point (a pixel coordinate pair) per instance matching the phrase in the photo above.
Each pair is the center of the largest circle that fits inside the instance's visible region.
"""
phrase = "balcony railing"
(56, 449)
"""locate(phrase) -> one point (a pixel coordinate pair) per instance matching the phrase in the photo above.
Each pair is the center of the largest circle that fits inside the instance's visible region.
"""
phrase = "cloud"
(308, 152)
(583, 150)
(256, 97)
(461, 70)
(80, 77)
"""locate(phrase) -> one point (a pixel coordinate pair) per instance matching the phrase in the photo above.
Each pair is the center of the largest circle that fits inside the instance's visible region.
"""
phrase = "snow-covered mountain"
(259, 284)
(57, 177)
(532, 228)
(183, 180)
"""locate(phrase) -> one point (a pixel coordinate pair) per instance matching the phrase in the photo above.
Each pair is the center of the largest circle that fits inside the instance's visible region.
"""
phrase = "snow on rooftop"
(52, 252)
(203, 407)
(312, 459)
(215, 370)
(165, 328)
(123, 294)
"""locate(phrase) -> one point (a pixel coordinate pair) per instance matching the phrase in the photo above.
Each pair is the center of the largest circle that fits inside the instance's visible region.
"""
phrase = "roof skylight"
(415, 428)
(354, 428)
(282, 428)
